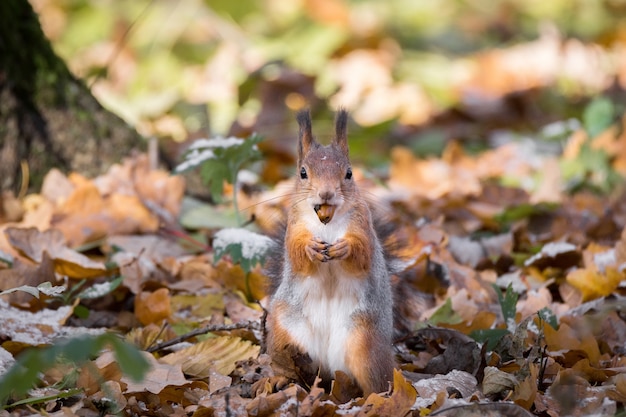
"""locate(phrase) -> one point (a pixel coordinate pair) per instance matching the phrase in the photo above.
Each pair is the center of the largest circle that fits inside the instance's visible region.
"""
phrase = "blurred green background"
(412, 72)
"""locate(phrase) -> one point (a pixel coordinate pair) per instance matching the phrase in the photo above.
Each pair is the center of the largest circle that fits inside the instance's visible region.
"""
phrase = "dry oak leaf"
(398, 404)
(33, 244)
(575, 335)
(215, 354)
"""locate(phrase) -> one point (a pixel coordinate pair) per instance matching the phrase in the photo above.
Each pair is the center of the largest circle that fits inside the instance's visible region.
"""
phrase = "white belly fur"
(325, 321)
(323, 312)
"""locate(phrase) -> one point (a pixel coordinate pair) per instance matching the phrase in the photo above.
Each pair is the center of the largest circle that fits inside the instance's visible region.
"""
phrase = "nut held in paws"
(325, 212)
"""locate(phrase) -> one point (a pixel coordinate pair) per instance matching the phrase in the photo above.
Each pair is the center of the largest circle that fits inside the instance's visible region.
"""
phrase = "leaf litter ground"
(510, 302)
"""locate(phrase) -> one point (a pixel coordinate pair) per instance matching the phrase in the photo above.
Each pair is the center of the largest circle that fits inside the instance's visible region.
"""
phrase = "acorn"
(325, 212)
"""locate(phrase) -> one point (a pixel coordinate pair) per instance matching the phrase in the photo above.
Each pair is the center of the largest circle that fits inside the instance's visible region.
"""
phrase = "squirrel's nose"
(326, 195)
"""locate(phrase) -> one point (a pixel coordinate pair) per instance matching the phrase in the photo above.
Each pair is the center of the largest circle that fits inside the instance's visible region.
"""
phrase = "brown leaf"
(398, 404)
(33, 244)
(26, 274)
(568, 338)
(153, 307)
(87, 215)
(160, 376)
(483, 410)
(573, 395)
(496, 381)
(525, 392)
(268, 405)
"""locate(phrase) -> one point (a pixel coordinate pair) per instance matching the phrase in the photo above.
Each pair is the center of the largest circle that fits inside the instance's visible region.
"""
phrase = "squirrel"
(331, 303)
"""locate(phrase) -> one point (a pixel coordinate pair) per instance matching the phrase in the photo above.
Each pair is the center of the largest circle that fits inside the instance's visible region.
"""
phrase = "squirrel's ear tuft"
(305, 137)
(341, 130)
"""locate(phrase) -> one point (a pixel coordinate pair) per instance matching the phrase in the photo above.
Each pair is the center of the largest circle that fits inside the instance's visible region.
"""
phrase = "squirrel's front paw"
(339, 250)
(317, 249)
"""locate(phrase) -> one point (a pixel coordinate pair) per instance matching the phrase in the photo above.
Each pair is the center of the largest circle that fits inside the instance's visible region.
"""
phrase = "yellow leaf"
(219, 353)
(593, 284)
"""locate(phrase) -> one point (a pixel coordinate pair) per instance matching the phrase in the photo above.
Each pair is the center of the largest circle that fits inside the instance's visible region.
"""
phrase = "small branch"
(252, 325)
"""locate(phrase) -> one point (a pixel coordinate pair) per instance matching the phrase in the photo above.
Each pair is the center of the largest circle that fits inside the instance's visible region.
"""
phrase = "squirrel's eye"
(349, 174)
(303, 174)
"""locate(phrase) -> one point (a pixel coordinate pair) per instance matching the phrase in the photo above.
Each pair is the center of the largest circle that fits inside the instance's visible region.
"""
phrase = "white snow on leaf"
(203, 149)
(550, 250)
(252, 244)
(194, 158)
(6, 360)
(216, 142)
(604, 259)
(38, 328)
(97, 290)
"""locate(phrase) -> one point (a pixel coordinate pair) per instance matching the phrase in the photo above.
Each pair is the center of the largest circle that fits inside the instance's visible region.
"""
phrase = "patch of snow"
(513, 278)
(245, 176)
(511, 325)
(6, 360)
(216, 142)
(548, 316)
(252, 244)
(550, 250)
(194, 158)
(203, 149)
(604, 259)
(38, 328)
(561, 127)
(97, 290)
(289, 404)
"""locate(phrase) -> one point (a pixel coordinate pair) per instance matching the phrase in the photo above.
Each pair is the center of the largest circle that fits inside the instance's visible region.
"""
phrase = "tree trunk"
(48, 118)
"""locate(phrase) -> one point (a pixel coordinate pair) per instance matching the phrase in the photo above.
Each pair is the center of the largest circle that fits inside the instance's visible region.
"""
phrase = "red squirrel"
(331, 300)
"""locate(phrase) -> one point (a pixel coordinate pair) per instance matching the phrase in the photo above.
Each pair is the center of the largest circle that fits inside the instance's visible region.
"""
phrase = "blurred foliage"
(413, 73)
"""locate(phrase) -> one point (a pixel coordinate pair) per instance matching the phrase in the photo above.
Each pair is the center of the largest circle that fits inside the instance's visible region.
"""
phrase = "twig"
(252, 325)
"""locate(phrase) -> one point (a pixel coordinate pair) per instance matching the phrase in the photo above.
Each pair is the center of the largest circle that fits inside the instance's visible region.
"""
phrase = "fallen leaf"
(592, 284)
(496, 381)
(217, 353)
(33, 244)
(22, 328)
(568, 338)
(526, 390)
(153, 307)
(23, 273)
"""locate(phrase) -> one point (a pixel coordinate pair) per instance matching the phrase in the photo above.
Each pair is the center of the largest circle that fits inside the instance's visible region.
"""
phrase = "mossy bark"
(49, 118)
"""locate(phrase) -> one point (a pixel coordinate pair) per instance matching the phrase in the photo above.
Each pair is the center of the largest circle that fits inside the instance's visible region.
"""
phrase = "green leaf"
(197, 215)
(508, 303)
(549, 317)
(81, 311)
(598, 116)
(243, 246)
(24, 374)
(100, 290)
(130, 359)
(220, 160)
(489, 336)
(445, 315)
(523, 211)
